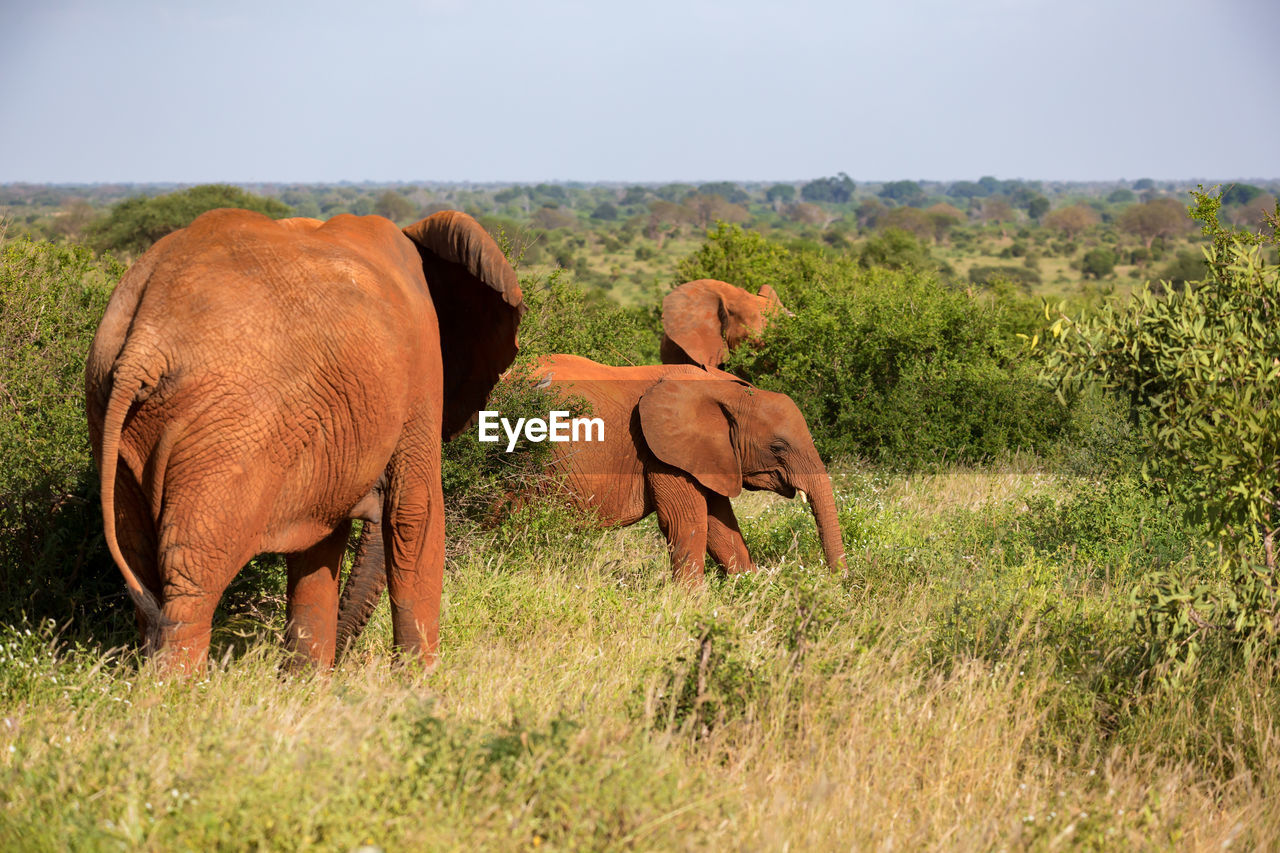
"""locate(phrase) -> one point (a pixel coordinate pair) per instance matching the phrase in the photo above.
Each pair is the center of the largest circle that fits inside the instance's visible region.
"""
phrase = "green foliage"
(1098, 262)
(902, 192)
(746, 259)
(708, 684)
(1187, 266)
(987, 276)
(887, 364)
(479, 477)
(895, 249)
(1240, 194)
(560, 318)
(837, 190)
(136, 223)
(51, 553)
(1200, 371)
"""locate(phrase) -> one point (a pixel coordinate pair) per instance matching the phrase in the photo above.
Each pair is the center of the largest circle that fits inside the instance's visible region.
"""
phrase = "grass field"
(971, 684)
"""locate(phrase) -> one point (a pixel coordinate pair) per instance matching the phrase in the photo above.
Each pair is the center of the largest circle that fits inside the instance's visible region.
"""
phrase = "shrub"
(1098, 262)
(52, 559)
(1198, 367)
(888, 364)
(136, 223)
(986, 276)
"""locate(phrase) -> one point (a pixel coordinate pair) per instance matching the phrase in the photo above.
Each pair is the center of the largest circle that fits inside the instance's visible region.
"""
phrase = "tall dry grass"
(969, 686)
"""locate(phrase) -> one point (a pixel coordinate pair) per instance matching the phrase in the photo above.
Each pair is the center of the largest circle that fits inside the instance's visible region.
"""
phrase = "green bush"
(561, 318)
(134, 224)
(886, 364)
(1098, 263)
(52, 560)
(986, 276)
(1199, 368)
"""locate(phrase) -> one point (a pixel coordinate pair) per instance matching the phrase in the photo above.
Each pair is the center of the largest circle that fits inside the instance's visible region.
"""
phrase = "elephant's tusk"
(801, 495)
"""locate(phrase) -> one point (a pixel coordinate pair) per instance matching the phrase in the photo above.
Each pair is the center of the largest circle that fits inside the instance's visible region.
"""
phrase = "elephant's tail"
(125, 390)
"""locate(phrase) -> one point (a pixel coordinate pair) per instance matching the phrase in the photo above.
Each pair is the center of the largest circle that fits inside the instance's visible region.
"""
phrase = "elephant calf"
(703, 320)
(679, 441)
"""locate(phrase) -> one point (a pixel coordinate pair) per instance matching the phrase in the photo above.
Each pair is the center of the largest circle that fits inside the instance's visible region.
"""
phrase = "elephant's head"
(704, 319)
(730, 435)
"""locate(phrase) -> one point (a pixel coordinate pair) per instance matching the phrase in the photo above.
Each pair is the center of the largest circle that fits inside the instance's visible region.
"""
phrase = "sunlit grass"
(965, 687)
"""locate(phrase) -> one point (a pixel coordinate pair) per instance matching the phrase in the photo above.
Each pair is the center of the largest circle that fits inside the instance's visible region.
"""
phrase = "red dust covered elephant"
(255, 384)
(703, 320)
(679, 441)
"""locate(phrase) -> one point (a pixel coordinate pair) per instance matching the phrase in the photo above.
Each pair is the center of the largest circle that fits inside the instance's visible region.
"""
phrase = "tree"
(807, 214)
(1253, 213)
(780, 194)
(966, 189)
(673, 192)
(1071, 220)
(1098, 262)
(635, 195)
(394, 206)
(911, 219)
(666, 219)
(135, 223)
(995, 210)
(902, 192)
(1160, 217)
(727, 190)
(1037, 207)
(1121, 196)
(1144, 184)
(943, 217)
(895, 249)
(551, 218)
(605, 211)
(73, 220)
(710, 208)
(1198, 367)
(1240, 194)
(837, 190)
(869, 212)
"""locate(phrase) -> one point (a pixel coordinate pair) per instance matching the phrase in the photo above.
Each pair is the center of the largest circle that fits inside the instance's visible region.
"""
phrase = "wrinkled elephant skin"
(253, 381)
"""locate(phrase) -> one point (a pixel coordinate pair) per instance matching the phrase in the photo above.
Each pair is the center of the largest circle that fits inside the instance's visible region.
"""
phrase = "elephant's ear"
(478, 304)
(686, 425)
(767, 292)
(693, 318)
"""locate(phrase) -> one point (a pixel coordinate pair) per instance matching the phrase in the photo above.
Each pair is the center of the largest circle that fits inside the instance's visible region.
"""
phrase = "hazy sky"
(492, 90)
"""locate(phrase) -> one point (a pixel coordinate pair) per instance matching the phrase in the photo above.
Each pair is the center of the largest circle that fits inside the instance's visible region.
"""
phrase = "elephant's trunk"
(364, 586)
(822, 500)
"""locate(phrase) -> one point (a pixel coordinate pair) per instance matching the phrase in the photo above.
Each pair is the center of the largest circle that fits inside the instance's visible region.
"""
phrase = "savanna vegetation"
(1057, 628)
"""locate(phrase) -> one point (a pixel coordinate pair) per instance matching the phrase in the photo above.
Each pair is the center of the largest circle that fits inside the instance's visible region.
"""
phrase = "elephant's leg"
(682, 518)
(312, 613)
(413, 540)
(724, 538)
(206, 535)
(195, 577)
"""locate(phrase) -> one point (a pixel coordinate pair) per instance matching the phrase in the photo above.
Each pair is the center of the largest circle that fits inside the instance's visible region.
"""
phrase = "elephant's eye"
(778, 446)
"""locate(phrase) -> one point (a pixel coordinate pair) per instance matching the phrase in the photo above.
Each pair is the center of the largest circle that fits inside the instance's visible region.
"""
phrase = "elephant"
(679, 441)
(255, 384)
(704, 319)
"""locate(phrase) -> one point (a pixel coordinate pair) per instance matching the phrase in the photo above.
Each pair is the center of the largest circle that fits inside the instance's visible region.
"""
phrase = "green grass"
(971, 684)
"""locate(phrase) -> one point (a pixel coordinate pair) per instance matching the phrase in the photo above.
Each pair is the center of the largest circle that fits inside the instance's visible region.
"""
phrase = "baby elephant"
(679, 441)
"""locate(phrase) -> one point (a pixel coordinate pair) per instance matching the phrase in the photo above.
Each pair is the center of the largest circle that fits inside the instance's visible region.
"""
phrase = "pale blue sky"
(651, 91)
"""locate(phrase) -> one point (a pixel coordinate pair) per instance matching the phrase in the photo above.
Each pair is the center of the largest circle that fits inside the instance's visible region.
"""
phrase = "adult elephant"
(679, 441)
(703, 320)
(254, 384)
